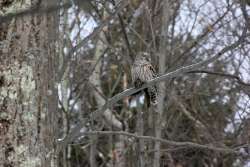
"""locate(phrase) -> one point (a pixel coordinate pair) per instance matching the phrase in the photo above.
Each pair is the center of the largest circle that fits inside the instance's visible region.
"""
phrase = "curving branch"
(176, 73)
(75, 132)
(235, 77)
(225, 150)
(120, 6)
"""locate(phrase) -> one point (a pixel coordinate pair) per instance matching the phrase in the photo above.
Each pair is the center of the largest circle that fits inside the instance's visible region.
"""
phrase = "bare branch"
(33, 10)
(245, 14)
(176, 73)
(76, 131)
(237, 78)
(193, 43)
(209, 147)
(95, 32)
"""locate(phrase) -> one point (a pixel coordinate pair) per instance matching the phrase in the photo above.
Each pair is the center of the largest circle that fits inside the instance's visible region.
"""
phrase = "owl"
(143, 71)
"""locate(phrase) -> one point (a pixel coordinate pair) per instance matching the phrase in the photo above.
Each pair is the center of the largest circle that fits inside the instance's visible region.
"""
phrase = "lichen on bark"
(19, 116)
(14, 6)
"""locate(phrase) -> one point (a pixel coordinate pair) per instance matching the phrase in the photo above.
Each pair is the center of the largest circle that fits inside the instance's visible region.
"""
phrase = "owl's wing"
(153, 71)
(153, 91)
(133, 73)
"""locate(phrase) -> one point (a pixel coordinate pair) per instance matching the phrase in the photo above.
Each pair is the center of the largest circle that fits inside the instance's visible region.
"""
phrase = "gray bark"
(140, 130)
(162, 86)
(108, 116)
(28, 96)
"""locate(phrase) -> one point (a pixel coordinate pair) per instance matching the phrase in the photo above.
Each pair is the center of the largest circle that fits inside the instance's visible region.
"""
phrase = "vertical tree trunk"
(28, 96)
(140, 131)
(162, 87)
(107, 114)
(109, 117)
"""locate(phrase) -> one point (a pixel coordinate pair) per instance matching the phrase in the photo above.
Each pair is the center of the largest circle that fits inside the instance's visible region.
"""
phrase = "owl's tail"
(151, 96)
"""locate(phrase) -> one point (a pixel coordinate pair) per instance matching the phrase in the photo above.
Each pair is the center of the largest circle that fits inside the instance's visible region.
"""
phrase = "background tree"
(65, 79)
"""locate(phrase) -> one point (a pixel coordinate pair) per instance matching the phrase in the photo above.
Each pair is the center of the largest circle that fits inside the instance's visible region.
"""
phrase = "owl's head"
(143, 57)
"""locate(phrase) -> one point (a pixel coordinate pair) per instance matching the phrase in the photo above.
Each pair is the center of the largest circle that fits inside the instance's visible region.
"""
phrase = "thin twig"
(76, 131)
(225, 150)
(91, 36)
(125, 36)
(237, 78)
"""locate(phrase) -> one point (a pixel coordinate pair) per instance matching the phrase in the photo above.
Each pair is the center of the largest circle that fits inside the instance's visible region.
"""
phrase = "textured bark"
(95, 80)
(28, 96)
(140, 131)
(166, 13)
(109, 118)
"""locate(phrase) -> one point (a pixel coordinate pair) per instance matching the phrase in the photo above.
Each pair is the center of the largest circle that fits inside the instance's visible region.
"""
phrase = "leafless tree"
(66, 87)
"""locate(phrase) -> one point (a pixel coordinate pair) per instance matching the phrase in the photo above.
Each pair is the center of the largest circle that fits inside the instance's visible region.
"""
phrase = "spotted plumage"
(143, 71)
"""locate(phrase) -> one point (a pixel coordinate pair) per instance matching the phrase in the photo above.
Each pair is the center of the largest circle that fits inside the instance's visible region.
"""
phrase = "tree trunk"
(28, 94)
(140, 132)
(166, 13)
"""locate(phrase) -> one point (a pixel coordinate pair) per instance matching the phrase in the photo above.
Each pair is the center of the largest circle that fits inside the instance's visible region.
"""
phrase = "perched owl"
(143, 71)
